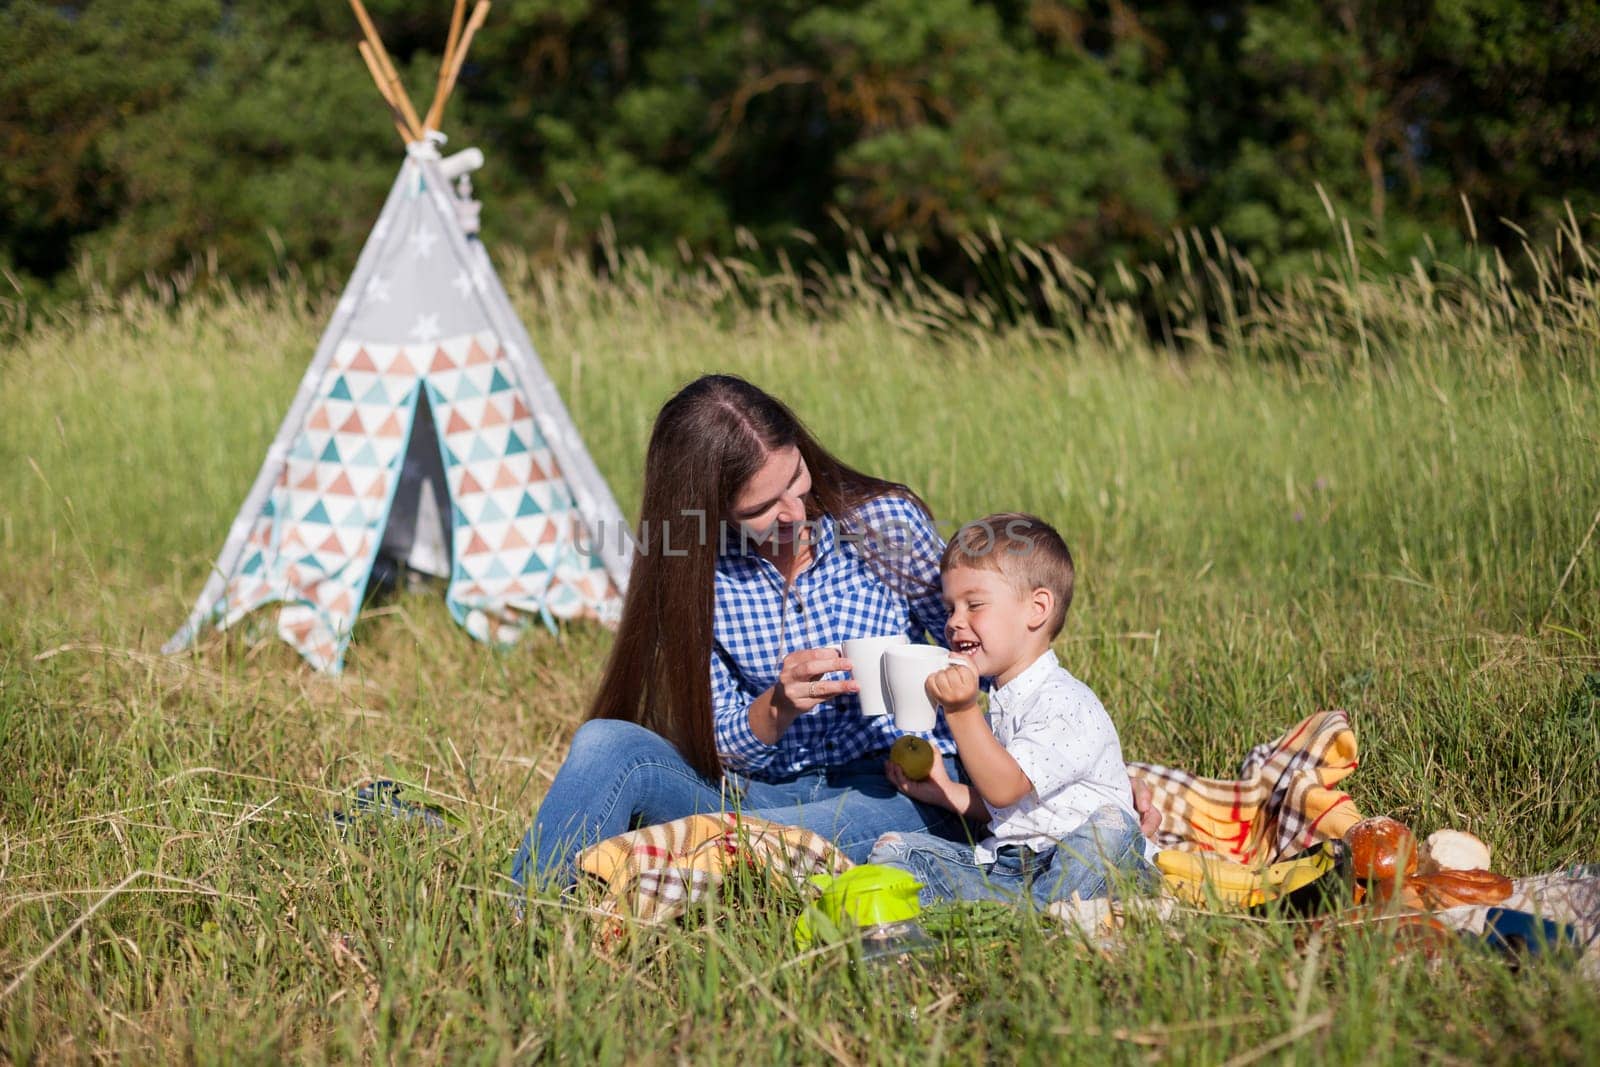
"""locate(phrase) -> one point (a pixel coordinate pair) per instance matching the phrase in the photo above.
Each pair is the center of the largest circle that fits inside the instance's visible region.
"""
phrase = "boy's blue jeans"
(619, 775)
(1088, 862)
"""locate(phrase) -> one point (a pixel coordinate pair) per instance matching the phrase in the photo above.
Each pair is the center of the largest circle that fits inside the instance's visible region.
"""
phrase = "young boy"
(1046, 768)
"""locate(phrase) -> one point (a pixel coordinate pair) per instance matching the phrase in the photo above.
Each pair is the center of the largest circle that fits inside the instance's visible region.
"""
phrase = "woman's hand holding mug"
(800, 686)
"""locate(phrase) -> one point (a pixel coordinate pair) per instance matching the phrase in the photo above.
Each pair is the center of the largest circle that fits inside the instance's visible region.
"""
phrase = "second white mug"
(905, 672)
(865, 655)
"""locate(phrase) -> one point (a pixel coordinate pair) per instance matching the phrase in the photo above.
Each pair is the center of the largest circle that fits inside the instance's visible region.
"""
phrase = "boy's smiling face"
(993, 624)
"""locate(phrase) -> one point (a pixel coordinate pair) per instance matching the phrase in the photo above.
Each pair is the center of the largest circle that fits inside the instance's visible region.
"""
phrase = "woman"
(759, 552)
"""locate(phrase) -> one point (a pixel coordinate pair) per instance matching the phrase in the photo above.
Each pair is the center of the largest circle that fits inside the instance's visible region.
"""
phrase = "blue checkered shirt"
(842, 594)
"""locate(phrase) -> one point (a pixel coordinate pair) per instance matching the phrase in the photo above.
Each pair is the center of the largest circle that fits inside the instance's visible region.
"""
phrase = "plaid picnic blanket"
(654, 874)
(1283, 801)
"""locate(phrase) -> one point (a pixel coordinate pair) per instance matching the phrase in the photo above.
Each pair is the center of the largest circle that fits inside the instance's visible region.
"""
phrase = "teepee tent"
(425, 429)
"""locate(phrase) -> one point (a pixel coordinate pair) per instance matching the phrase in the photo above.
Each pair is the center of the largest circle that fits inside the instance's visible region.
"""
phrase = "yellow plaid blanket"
(1283, 801)
(655, 873)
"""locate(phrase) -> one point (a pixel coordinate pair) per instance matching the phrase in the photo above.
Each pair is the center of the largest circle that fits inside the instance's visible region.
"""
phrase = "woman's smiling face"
(770, 507)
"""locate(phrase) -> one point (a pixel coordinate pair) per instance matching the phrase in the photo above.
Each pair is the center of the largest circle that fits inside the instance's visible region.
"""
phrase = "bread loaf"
(1381, 849)
(1423, 935)
(1452, 889)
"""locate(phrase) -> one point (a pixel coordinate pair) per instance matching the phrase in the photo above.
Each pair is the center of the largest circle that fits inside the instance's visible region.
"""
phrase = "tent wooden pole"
(479, 13)
(436, 109)
(391, 76)
(377, 77)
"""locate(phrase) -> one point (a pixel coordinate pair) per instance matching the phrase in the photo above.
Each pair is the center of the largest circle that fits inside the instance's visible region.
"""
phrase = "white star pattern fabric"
(426, 328)
(1060, 735)
(422, 242)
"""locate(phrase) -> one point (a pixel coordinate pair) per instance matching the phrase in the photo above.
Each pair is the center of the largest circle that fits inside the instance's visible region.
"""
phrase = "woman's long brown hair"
(708, 442)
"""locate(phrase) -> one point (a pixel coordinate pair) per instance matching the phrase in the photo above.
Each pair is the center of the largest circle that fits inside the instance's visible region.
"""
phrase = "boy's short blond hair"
(1024, 549)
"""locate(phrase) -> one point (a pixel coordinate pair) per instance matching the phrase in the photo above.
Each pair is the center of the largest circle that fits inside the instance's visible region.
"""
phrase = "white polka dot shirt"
(1060, 735)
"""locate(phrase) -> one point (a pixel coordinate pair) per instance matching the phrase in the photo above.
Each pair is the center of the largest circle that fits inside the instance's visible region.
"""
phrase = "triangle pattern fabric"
(505, 529)
(531, 527)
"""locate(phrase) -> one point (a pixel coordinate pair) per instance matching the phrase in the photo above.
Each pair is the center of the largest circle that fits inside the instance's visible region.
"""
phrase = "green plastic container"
(864, 896)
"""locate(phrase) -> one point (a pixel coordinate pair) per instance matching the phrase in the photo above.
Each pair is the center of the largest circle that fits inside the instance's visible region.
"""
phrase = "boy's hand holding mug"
(955, 688)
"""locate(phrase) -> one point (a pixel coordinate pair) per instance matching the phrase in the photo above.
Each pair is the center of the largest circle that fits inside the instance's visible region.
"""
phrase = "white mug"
(865, 654)
(905, 672)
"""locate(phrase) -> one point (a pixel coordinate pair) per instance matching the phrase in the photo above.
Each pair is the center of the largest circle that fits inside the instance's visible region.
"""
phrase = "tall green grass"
(1355, 492)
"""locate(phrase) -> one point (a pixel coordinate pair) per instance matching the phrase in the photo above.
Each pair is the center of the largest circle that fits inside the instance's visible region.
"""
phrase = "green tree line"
(140, 136)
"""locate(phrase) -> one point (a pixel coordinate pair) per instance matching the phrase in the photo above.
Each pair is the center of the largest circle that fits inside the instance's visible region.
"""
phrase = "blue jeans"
(1087, 862)
(619, 776)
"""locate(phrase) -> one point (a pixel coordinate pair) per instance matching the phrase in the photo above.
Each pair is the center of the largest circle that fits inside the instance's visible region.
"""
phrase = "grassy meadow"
(1370, 494)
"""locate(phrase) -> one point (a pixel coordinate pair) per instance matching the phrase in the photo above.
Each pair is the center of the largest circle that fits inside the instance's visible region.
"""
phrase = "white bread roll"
(1452, 850)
